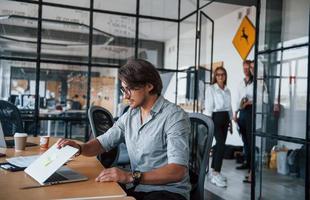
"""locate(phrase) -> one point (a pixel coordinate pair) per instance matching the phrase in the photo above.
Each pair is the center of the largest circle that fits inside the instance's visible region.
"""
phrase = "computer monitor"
(14, 99)
(51, 103)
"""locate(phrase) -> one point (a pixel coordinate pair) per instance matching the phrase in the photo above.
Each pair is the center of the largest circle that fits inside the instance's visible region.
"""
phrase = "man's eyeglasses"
(127, 90)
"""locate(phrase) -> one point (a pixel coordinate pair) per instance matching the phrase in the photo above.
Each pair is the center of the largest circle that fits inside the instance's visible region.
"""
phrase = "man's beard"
(144, 99)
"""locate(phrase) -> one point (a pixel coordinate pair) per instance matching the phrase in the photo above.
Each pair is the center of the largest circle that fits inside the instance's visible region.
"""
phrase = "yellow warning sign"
(244, 38)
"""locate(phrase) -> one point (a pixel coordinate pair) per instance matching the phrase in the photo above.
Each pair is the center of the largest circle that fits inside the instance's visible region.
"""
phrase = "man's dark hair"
(246, 62)
(137, 73)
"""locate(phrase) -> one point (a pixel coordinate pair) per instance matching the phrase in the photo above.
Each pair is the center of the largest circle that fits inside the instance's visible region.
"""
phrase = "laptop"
(48, 169)
(10, 143)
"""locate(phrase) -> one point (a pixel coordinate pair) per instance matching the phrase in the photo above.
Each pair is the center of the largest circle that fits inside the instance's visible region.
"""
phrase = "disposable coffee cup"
(20, 140)
(44, 140)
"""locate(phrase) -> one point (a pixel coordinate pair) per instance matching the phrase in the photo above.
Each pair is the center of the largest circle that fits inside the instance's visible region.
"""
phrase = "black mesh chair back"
(10, 118)
(76, 105)
(100, 121)
(200, 144)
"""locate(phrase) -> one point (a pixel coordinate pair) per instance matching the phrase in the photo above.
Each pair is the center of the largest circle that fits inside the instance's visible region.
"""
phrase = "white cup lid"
(20, 135)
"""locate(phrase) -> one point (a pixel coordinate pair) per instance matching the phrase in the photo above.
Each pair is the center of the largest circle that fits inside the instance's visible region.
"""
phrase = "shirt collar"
(218, 87)
(158, 105)
(250, 81)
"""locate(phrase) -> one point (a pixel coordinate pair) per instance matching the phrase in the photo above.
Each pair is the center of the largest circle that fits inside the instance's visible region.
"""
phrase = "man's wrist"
(80, 150)
(129, 177)
(136, 176)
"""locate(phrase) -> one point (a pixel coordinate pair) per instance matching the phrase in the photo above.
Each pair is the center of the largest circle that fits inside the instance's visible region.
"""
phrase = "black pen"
(34, 186)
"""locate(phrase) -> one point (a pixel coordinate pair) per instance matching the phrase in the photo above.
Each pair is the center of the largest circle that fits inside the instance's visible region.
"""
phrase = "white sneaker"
(216, 180)
(222, 177)
(210, 175)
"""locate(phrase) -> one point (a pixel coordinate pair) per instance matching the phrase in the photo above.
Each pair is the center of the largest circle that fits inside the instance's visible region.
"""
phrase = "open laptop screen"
(49, 162)
(2, 140)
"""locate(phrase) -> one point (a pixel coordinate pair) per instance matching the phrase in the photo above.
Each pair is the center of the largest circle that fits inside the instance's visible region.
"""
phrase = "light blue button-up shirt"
(162, 139)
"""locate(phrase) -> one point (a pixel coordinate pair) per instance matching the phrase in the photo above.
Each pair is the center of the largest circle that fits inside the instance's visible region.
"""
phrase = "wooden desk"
(11, 182)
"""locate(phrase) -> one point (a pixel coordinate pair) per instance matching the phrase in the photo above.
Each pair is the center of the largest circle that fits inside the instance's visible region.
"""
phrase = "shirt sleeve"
(114, 136)
(178, 130)
(209, 102)
(230, 108)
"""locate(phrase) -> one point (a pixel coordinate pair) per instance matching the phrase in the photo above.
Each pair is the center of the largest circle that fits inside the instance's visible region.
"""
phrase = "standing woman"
(218, 106)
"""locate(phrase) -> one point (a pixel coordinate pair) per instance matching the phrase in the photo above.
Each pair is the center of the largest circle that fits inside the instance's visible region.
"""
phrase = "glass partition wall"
(281, 125)
(58, 58)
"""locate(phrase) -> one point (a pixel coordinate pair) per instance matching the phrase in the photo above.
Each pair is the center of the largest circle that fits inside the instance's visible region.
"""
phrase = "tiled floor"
(236, 189)
(274, 187)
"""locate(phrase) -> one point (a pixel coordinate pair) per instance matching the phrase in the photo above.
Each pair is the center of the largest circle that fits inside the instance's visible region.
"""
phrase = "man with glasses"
(156, 133)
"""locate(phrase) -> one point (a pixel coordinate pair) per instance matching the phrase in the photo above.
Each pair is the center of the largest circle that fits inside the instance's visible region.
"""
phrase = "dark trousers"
(245, 125)
(156, 195)
(221, 122)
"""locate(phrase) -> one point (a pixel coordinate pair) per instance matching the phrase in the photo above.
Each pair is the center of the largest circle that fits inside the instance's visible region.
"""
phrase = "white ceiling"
(124, 26)
(217, 10)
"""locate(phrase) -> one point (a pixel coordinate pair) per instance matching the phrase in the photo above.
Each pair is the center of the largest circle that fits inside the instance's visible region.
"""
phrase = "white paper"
(22, 161)
(42, 168)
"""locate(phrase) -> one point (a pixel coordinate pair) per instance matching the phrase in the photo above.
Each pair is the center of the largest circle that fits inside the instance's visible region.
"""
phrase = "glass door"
(205, 57)
(281, 119)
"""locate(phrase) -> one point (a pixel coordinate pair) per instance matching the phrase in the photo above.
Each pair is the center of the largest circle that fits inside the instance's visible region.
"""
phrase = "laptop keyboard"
(55, 178)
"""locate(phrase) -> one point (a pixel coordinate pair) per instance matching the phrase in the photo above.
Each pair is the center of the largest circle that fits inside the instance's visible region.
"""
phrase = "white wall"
(225, 29)
(294, 30)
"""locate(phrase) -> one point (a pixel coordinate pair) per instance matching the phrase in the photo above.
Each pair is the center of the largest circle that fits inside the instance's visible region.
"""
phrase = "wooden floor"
(275, 186)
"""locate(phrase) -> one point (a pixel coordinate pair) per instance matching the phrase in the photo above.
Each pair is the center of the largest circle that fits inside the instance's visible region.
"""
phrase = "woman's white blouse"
(217, 100)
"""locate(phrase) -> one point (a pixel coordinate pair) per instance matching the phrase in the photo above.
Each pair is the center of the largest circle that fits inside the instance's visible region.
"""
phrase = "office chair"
(123, 157)
(10, 118)
(13, 99)
(201, 137)
(100, 121)
(76, 105)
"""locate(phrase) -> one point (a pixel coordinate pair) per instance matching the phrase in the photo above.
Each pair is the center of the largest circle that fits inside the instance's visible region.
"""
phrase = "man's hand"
(114, 174)
(64, 142)
(230, 127)
(247, 103)
(91, 148)
(235, 119)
